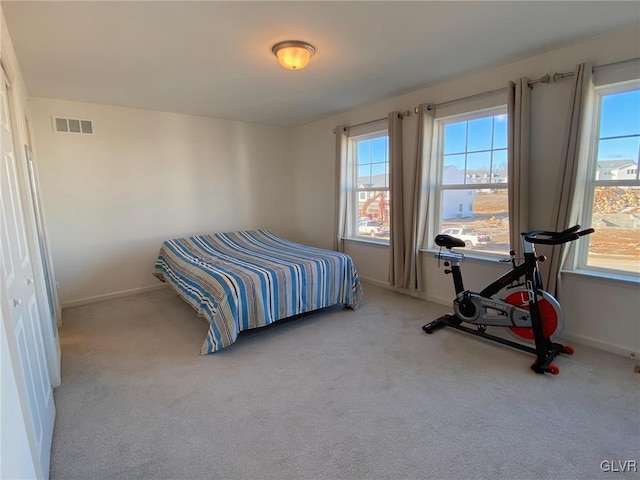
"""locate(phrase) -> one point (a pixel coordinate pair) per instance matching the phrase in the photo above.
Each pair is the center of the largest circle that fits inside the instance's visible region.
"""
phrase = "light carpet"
(335, 394)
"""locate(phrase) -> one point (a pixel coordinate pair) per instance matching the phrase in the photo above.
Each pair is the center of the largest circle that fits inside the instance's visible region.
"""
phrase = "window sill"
(605, 277)
(474, 256)
(370, 241)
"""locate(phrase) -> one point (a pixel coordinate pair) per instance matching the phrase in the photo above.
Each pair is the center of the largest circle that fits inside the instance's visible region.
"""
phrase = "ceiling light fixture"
(293, 54)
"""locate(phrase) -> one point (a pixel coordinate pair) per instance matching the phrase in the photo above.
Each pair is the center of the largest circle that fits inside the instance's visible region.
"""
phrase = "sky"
(373, 158)
(480, 136)
(620, 116)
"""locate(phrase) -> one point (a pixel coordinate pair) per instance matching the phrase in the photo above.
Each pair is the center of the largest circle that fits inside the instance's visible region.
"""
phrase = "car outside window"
(370, 205)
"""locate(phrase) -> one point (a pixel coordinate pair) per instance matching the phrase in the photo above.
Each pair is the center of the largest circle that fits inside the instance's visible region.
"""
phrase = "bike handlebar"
(556, 238)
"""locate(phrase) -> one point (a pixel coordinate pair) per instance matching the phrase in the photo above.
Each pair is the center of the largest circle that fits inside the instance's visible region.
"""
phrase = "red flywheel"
(550, 313)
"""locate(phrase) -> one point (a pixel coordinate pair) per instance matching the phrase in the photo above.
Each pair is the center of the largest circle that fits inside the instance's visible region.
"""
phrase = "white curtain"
(519, 112)
(400, 207)
(342, 187)
(573, 170)
(419, 196)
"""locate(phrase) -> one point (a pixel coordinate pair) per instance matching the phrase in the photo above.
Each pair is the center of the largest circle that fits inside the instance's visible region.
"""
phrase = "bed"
(249, 279)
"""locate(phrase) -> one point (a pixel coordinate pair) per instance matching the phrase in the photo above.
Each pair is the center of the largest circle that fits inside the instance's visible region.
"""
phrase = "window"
(612, 200)
(471, 189)
(369, 210)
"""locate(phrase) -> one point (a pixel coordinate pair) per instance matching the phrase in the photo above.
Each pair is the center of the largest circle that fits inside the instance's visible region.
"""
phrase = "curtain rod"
(629, 60)
(476, 95)
(544, 79)
(560, 76)
(406, 113)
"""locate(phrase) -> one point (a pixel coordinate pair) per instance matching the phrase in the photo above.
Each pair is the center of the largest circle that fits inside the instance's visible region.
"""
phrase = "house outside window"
(471, 190)
(370, 210)
(612, 197)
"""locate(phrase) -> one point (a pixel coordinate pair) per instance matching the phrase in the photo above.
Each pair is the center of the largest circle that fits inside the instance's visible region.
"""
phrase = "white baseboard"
(378, 283)
(600, 345)
(386, 285)
(413, 293)
(109, 296)
(439, 300)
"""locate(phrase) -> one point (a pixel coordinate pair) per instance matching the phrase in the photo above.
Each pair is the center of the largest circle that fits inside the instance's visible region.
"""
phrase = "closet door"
(24, 327)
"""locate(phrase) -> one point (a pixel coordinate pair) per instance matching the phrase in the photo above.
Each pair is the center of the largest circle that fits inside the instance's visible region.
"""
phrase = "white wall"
(588, 302)
(111, 198)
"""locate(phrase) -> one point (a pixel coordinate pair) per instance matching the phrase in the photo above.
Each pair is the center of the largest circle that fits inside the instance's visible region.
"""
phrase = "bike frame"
(544, 349)
(527, 269)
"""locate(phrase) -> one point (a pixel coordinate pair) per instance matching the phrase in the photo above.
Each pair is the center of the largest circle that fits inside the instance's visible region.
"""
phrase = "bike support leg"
(544, 356)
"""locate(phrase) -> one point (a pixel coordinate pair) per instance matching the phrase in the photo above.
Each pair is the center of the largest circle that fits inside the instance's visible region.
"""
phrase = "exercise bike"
(524, 307)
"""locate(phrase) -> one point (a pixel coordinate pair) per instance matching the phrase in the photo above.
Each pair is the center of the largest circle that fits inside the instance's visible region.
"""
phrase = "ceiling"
(214, 58)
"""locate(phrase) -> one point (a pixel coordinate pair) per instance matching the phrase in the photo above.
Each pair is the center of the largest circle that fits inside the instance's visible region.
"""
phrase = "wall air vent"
(72, 125)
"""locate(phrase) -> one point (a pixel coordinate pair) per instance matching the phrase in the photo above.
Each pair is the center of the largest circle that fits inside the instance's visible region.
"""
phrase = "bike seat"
(448, 241)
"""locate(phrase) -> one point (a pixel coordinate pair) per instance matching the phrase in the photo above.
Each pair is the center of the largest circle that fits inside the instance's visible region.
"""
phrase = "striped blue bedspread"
(249, 279)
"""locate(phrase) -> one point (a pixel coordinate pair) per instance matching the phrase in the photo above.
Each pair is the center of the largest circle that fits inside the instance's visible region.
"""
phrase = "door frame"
(27, 431)
(20, 140)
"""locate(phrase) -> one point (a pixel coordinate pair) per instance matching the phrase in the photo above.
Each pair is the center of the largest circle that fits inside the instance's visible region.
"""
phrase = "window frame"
(586, 218)
(434, 225)
(376, 130)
